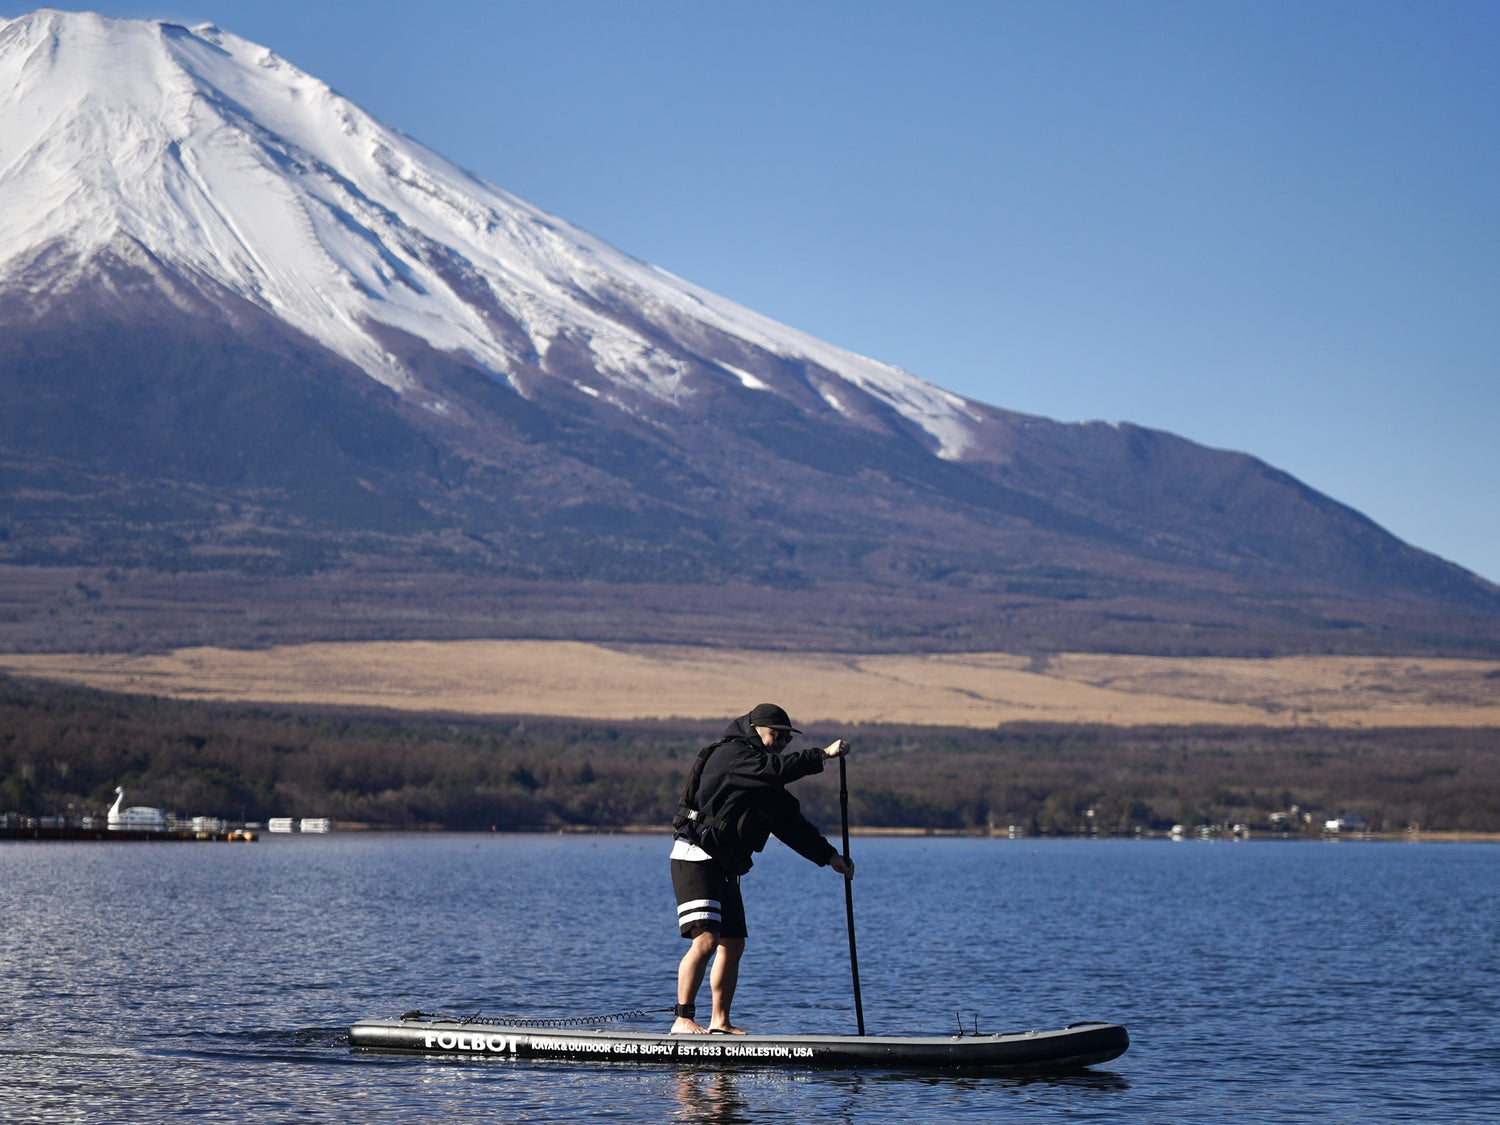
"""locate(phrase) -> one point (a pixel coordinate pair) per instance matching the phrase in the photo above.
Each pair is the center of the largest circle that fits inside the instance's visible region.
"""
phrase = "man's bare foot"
(685, 1026)
(731, 1030)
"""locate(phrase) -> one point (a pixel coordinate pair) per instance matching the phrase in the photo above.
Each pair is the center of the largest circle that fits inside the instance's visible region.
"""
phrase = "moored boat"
(138, 818)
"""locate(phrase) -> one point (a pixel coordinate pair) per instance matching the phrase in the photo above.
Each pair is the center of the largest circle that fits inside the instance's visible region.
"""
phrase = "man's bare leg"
(725, 976)
(690, 978)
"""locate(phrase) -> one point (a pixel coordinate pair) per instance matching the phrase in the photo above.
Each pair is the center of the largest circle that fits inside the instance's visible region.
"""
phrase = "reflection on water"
(149, 981)
(709, 1096)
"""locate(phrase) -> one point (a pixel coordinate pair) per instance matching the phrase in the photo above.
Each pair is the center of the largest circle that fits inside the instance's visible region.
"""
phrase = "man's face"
(772, 737)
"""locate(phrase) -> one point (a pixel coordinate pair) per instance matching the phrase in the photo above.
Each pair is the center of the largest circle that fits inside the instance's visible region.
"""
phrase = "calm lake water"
(1260, 981)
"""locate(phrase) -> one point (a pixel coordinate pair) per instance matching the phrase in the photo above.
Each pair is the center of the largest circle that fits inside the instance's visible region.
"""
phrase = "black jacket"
(742, 801)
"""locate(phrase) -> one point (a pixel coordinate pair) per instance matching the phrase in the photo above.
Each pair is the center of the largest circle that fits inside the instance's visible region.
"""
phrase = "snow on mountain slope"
(224, 163)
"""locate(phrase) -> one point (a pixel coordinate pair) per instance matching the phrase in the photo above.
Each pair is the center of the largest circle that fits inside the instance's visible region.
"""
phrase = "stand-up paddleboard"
(1071, 1048)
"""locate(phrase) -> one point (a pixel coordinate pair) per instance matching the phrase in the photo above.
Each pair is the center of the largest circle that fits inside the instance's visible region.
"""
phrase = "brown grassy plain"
(565, 678)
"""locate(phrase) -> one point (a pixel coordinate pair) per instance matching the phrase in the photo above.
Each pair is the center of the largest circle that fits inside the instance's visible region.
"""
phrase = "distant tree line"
(64, 749)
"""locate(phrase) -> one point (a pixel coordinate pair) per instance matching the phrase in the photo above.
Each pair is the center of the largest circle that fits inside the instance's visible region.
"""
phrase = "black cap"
(770, 715)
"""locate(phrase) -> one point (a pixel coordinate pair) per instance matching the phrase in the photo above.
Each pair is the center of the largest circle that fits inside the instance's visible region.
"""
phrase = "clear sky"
(1265, 225)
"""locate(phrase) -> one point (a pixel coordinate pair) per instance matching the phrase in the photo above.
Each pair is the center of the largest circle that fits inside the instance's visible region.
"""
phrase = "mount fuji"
(262, 352)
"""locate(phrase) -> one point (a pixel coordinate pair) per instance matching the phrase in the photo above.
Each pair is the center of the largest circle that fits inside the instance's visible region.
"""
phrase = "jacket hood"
(741, 728)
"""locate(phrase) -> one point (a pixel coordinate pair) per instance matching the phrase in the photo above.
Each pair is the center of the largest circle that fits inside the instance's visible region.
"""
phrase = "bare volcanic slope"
(261, 353)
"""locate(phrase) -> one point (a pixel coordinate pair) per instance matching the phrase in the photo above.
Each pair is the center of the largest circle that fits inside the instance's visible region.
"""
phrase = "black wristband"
(687, 1011)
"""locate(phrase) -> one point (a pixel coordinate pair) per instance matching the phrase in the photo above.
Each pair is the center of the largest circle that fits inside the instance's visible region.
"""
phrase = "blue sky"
(1266, 226)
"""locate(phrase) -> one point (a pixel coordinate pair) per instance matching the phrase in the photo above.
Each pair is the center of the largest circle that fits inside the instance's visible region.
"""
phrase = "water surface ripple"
(1260, 982)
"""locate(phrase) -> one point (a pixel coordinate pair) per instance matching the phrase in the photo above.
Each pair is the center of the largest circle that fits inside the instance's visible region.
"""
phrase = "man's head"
(772, 724)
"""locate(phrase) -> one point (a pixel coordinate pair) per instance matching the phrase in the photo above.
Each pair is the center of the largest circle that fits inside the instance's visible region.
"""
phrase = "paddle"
(859, 1008)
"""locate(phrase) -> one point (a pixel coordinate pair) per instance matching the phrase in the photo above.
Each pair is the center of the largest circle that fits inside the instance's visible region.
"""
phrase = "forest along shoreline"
(66, 748)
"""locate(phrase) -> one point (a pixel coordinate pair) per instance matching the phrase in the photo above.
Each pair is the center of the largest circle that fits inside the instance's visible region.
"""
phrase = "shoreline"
(665, 831)
(36, 833)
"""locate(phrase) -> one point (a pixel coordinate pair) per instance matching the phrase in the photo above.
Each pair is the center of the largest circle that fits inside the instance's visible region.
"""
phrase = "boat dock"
(14, 827)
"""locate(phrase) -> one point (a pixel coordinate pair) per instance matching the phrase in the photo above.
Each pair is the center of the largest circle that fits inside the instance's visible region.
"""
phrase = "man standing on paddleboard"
(734, 800)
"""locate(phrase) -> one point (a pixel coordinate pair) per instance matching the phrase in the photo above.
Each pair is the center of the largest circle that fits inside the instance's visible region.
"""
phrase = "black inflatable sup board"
(1071, 1048)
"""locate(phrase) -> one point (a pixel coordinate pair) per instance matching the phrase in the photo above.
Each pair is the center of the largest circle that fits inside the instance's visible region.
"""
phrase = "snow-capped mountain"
(246, 330)
(230, 165)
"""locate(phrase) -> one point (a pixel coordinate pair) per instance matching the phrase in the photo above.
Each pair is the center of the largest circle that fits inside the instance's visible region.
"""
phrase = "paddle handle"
(859, 1007)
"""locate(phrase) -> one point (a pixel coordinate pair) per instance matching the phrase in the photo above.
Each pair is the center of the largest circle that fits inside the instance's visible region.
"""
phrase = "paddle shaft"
(859, 1008)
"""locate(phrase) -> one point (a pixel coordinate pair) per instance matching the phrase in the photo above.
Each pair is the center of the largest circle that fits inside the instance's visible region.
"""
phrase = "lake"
(1260, 981)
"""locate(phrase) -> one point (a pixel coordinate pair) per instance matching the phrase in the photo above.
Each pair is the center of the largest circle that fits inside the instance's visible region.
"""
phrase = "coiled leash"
(519, 1021)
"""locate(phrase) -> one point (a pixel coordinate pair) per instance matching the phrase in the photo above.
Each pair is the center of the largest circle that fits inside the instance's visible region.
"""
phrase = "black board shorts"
(708, 898)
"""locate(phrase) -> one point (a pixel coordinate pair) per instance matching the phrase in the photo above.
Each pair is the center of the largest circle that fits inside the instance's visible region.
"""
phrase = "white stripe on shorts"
(699, 910)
